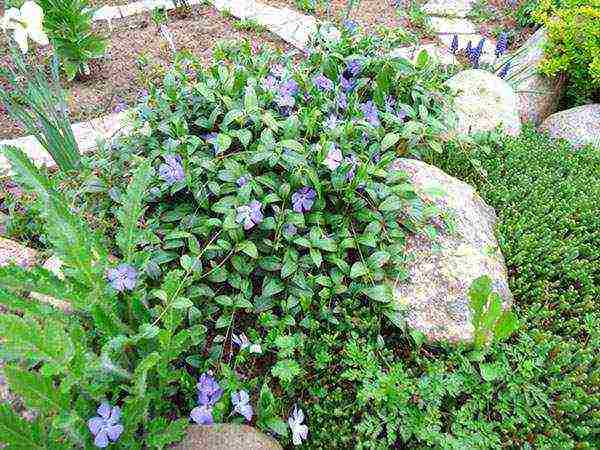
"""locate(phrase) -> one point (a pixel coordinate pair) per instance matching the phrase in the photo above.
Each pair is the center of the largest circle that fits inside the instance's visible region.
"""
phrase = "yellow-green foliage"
(574, 44)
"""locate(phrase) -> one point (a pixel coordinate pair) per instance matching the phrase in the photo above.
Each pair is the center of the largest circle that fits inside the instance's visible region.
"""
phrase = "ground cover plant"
(254, 204)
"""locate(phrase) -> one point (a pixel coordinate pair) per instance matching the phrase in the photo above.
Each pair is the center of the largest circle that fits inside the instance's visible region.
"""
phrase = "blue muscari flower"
(172, 170)
(468, 49)
(454, 45)
(370, 112)
(504, 71)
(346, 84)
(354, 67)
(106, 427)
(502, 44)
(351, 26)
(303, 199)
(123, 277)
(476, 53)
(323, 83)
(120, 106)
(390, 104)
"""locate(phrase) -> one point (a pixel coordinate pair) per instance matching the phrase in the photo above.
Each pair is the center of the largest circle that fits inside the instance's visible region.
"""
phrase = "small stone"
(440, 55)
(443, 25)
(13, 252)
(483, 102)
(227, 436)
(435, 297)
(580, 125)
(447, 8)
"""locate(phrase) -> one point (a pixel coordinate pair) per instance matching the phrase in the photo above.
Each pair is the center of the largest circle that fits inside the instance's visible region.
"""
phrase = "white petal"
(20, 37)
(11, 15)
(255, 348)
(38, 36)
(32, 14)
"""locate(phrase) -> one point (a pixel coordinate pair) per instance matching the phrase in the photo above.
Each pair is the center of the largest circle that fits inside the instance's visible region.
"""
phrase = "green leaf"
(250, 100)
(292, 145)
(272, 286)
(230, 117)
(36, 391)
(132, 210)
(391, 203)
(223, 142)
(380, 293)
(286, 370)
(141, 373)
(378, 259)
(17, 433)
(316, 256)
(249, 248)
(182, 303)
(491, 371)
(358, 269)
(389, 140)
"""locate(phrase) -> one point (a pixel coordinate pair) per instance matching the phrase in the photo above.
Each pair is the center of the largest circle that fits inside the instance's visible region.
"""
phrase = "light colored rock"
(539, 95)
(440, 55)
(286, 23)
(483, 102)
(580, 125)
(441, 272)
(488, 55)
(448, 8)
(226, 437)
(13, 252)
(87, 135)
(443, 25)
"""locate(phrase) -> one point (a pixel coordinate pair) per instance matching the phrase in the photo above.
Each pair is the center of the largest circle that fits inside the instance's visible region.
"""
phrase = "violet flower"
(288, 88)
(504, 71)
(354, 67)
(249, 215)
(390, 104)
(323, 83)
(346, 84)
(209, 391)
(123, 277)
(243, 342)
(299, 430)
(333, 158)
(342, 101)
(351, 26)
(269, 83)
(241, 404)
(369, 110)
(289, 230)
(202, 415)
(303, 199)
(353, 161)
(332, 122)
(120, 106)
(454, 45)
(106, 427)
(242, 181)
(172, 170)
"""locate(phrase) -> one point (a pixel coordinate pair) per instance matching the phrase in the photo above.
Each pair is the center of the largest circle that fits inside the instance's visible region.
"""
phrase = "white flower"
(241, 404)
(243, 342)
(26, 23)
(299, 430)
(330, 33)
(334, 158)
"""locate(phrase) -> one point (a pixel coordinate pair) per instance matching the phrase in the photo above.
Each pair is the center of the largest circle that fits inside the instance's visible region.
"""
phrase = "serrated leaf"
(37, 391)
(286, 370)
(391, 203)
(17, 433)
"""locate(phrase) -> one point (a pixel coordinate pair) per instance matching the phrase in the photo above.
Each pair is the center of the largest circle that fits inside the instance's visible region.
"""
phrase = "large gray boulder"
(483, 102)
(580, 125)
(226, 436)
(538, 95)
(435, 297)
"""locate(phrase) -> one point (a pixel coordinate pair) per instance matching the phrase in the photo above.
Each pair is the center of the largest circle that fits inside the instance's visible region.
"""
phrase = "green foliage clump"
(69, 27)
(574, 45)
(207, 221)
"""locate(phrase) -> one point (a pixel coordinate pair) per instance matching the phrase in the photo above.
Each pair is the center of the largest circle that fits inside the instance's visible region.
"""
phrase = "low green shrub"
(574, 46)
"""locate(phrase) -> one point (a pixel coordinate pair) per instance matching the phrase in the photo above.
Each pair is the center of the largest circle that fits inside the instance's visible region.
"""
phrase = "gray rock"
(435, 298)
(538, 95)
(443, 25)
(483, 102)
(580, 125)
(437, 53)
(226, 436)
(448, 8)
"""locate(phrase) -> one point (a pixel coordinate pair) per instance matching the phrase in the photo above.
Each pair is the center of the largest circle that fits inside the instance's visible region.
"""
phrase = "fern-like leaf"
(132, 209)
(37, 391)
(19, 434)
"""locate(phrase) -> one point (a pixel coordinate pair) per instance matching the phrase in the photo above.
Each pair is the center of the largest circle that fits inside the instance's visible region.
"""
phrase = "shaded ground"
(136, 50)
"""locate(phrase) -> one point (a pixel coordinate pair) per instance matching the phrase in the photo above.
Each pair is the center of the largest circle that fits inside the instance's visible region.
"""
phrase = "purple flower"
(285, 101)
(289, 229)
(351, 26)
(354, 67)
(504, 71)
(346, 83)
(269, 83)
(502, 44)
(242, 181)
(468, 49)
(370, 112)
(299, 430)
(303, 199)
(172, 170)
(106, 427)
(120, 106)
(476, 53)
(390, 104)
(353, 161)
(249, 215)
(342, 101)
(288, 88)
(332, 122)
(144, 94)
(123, 277)
(376, 157)
(333, 158)
(454, 45)
(209, 391)
(241, 404)
(323, 83)
(202, 415)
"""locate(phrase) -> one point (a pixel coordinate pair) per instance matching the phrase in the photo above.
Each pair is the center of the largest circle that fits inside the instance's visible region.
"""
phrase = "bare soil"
(136, 51)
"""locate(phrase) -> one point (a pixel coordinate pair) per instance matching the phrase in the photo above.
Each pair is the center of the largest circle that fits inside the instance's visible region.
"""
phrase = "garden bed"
(136, 52)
